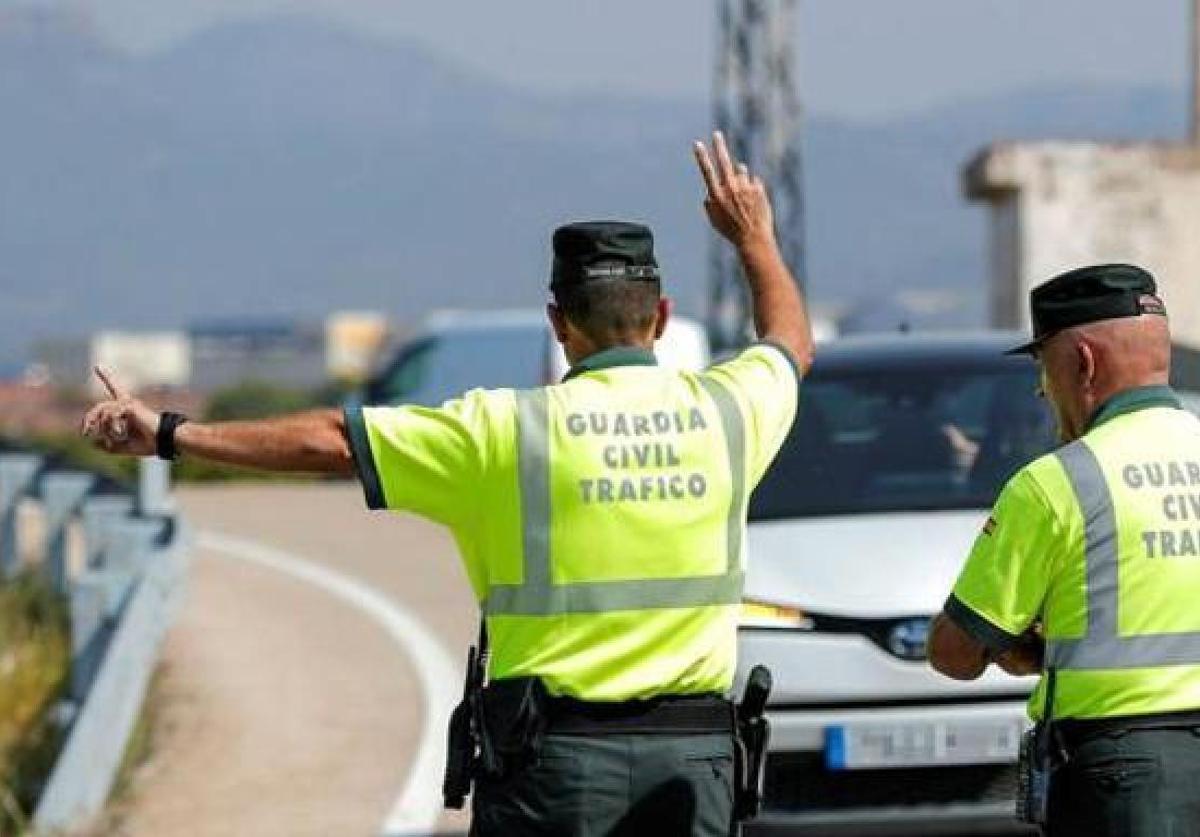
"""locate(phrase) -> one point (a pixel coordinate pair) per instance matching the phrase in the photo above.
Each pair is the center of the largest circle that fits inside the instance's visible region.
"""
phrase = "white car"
(460, 350)
(857, 535)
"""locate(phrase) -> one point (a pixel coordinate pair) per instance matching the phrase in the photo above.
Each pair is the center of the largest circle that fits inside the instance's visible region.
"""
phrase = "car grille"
(800, 781)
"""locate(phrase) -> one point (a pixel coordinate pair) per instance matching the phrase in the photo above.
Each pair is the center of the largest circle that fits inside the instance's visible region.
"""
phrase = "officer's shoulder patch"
(989, 527)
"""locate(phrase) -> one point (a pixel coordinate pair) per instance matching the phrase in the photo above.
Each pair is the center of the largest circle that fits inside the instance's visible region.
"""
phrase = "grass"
(34, 664)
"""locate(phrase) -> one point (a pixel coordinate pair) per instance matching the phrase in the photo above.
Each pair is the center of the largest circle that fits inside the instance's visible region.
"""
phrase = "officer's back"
(1088, 571)
(600, 521)
(602, 524)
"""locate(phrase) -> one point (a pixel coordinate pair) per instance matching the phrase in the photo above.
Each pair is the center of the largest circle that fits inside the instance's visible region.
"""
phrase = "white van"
(461, 350)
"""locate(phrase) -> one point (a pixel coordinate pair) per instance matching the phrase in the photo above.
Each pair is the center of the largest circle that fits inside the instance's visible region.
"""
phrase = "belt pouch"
(515, 721)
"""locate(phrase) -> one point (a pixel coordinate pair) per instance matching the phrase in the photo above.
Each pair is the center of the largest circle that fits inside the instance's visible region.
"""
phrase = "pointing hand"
(123, 424)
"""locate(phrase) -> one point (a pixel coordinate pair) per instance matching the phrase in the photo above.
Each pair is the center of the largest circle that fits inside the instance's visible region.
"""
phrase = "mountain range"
(286, 167)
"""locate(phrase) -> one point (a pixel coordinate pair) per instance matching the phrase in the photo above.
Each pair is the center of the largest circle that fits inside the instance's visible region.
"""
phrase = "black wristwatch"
(164, 439)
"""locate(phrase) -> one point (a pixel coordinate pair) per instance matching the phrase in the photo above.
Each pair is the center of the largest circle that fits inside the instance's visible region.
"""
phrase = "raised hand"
(122, 424)
(736, 201)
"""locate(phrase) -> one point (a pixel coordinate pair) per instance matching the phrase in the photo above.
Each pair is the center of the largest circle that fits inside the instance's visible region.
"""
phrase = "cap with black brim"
(1029, 348)
(1088, 295)
(592, 251)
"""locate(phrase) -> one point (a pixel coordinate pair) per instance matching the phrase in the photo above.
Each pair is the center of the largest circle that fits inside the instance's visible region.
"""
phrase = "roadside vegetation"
(34, 665)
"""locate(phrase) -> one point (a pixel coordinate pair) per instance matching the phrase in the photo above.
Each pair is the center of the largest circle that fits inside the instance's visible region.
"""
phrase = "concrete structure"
(143, 359)
(1057, 205)
(353, 342)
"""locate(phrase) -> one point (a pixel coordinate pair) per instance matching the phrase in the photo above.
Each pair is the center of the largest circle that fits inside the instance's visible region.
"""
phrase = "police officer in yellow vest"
(1088, 570)
(601, 522)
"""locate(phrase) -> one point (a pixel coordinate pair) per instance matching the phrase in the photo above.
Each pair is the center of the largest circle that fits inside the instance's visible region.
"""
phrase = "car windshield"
(905, 438)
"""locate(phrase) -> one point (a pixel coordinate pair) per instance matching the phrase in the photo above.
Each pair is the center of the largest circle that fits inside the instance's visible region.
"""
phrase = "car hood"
(866, 565)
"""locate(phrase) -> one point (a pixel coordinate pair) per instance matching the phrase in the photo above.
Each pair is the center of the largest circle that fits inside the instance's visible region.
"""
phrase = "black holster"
(1033, 778)
(512, 719)
(460, 758)
(495, 731)
(1041, 754)
(753, 737)
(462, 735)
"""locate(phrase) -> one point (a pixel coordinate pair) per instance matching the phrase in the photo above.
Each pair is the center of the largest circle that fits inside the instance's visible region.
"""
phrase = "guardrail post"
(100, 516)
(62, 494)
(129, 548)
(90, 607)
(154, 487)
(17, 471)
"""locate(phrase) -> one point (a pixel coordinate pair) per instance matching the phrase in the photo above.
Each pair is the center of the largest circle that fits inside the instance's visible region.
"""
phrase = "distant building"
(143, 360)
(283, 353)
(353, 343)
(1058, 205)
(216, 355)
(65, 362)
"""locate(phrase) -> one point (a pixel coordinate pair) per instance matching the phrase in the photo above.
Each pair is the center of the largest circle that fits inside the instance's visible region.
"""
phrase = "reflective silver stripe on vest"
(1103, 647)
(735, 439)
(538, 596)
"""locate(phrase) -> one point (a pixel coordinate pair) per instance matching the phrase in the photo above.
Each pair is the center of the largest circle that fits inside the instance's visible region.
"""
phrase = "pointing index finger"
(117, 392)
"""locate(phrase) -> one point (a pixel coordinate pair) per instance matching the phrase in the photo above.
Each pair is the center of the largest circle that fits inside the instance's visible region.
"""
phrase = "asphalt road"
(286, 708)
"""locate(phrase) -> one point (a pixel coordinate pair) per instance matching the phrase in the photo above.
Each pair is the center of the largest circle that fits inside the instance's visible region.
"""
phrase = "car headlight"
(756, 614)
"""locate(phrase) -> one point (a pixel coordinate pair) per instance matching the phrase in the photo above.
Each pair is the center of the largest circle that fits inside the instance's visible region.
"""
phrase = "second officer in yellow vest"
(1089, 570)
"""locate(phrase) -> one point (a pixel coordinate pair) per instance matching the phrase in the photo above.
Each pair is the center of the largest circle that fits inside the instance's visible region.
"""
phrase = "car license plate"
(869, 746)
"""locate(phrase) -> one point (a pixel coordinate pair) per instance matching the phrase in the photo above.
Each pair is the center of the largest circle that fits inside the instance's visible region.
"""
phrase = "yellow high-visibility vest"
(1100, 540)
(601, 520)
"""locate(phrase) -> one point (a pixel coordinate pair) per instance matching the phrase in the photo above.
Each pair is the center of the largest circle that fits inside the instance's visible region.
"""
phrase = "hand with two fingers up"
(122, 424)
(736, 202)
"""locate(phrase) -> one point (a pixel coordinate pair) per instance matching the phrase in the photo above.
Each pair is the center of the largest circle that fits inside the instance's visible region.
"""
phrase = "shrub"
(34, 665)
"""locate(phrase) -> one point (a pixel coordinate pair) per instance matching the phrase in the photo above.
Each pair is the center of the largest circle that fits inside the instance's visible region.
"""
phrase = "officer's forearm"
(779, 311)
(953, 652)
(313, 442)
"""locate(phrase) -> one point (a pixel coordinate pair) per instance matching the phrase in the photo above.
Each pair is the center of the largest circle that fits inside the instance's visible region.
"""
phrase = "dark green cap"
(593, 250)
(1088, 294)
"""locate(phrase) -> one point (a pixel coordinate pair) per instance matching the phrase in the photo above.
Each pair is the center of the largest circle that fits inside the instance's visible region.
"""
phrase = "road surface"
(286, 709)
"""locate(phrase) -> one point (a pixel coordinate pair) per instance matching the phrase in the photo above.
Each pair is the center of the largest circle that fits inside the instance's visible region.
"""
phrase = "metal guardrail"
(123, 594)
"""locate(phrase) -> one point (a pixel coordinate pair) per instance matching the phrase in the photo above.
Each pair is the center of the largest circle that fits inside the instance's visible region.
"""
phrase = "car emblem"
(908, 639)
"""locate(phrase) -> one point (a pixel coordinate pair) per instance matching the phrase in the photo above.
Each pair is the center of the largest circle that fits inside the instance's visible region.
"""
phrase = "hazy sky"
(859, 58)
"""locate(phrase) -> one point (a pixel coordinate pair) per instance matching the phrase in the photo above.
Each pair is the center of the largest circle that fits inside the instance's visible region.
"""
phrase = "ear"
(1087, 364)
(558, 322)
(663, 310)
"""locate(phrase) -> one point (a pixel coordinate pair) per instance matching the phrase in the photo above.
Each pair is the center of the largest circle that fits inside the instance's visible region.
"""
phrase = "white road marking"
(416, 810)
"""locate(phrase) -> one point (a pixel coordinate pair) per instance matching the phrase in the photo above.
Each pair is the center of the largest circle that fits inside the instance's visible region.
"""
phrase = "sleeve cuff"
(996, 640)
(787, 355)
(360, 449)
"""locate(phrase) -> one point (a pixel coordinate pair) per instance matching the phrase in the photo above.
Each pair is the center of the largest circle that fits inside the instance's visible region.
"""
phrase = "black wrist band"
(164, 439)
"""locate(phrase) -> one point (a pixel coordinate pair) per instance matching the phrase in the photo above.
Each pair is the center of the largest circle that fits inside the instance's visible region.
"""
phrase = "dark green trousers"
(1134, 783)
(614, 786)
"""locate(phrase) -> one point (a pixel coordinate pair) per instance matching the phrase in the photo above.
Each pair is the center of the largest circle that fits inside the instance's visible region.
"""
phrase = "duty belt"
(1075, 731)
(668, 715)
